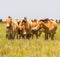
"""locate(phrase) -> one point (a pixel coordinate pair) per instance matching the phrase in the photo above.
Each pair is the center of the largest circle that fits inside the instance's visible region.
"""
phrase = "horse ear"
(47, 19)
(9, 17)
(25, 18)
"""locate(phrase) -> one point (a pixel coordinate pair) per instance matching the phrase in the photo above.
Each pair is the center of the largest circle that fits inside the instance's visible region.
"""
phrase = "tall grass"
(29, 48)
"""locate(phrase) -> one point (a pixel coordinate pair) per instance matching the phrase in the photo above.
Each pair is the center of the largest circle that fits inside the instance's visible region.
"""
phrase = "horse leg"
(46, 36)
(52, 36)
(6, 35)
(39, 33)
(36, 34)
(32, 36)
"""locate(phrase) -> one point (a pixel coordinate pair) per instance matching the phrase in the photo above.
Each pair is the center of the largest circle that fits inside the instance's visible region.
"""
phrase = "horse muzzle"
(7, 26)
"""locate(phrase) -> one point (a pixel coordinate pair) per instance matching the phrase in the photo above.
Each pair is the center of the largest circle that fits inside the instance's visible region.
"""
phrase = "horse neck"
(27, 24)
(44, 26)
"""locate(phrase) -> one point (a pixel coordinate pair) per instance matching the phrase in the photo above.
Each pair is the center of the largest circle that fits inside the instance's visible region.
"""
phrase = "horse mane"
(35, 20)
(45, 20)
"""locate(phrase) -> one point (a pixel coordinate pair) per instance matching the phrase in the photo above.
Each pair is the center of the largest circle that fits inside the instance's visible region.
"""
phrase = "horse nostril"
(7, 27)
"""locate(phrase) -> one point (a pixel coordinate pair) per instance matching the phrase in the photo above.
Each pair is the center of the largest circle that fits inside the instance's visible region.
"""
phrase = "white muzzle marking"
(7, 25)
(24, 33)
(34, 28)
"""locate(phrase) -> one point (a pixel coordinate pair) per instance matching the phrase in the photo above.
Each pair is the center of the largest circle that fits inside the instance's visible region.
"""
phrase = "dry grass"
(29, 48)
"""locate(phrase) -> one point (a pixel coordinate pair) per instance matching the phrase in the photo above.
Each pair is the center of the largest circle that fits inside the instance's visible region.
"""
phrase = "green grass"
(29, 48)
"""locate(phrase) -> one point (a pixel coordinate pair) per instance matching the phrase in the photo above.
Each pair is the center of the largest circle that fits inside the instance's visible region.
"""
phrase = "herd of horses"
(30, 28)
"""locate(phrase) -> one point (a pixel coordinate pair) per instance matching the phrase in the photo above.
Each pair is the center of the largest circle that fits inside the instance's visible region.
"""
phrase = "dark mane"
(45, 20)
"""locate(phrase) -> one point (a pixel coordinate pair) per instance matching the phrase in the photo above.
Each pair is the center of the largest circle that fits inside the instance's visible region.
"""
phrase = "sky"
(32, 9)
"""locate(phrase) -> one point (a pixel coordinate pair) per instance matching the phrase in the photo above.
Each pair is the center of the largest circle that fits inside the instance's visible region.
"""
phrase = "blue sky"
(32, 9)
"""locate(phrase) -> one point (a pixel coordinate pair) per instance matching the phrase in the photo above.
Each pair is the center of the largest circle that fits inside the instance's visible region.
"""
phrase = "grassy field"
(29, 48)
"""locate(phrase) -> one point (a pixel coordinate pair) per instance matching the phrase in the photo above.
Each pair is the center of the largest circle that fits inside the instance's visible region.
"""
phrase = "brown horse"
(11, 28)
(50, 28)
(34, 28)
(25, 28)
